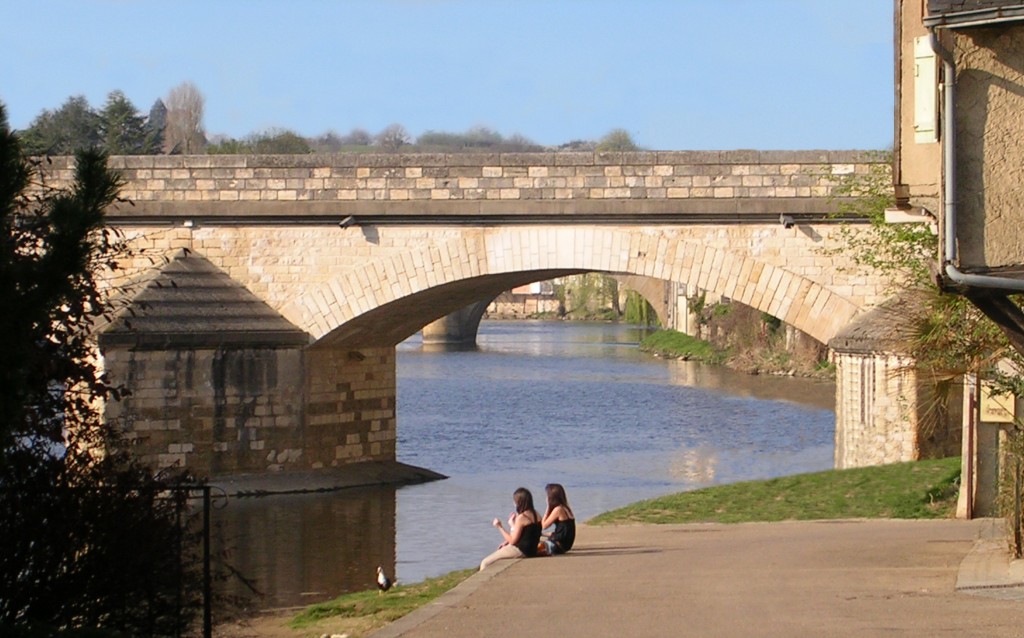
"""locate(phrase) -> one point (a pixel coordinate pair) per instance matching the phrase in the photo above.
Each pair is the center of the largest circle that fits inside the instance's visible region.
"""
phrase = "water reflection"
(303, 548)
(820, 394)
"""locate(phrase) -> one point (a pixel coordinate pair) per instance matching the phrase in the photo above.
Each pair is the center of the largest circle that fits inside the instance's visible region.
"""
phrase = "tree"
(122, 129)
(156, 124)
(278, 142)
(184, 132)
(616, 140)
(223, 145)
(357, 137)
(393, 137)
(902, 252)
(577, 145)
(72, 127)
(89, 538)
(481, 136)
(521, 143)
(329, 142)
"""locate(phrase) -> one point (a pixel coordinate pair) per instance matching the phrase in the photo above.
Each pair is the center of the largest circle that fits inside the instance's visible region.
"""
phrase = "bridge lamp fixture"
(348, 221)
(787, 221)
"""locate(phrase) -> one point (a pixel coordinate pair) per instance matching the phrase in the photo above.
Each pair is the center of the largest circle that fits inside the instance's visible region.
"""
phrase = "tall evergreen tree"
(89, 538)
(156, 124)
(122, 129)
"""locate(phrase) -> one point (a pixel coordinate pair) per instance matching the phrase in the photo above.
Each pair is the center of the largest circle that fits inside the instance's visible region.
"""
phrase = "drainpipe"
(950, 186)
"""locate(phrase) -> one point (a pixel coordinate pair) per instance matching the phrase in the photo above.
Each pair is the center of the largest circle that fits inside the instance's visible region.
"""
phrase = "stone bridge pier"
(457, 329)
(270, 291)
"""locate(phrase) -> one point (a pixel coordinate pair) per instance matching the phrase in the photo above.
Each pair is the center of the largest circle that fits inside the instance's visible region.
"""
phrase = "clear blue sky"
(676, 74)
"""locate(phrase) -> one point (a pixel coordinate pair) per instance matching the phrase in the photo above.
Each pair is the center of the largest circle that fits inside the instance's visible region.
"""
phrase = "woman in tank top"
(559, 514)
(522, 538)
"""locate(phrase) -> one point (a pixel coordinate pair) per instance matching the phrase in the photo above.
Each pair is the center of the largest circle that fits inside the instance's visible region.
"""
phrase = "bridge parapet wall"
(479, 183)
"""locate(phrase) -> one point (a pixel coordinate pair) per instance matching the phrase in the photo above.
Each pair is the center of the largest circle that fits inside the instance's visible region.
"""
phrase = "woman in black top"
(524, 534)
(559, 514)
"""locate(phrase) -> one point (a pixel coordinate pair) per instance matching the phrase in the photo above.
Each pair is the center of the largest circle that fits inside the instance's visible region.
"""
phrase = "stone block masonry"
(226, 186)
(229, 411)
(214, 411)
(350, 405)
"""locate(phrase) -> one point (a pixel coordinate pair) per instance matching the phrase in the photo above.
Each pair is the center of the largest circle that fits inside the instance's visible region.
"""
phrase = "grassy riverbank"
(677, 345)
(923, 489)
(362, 613)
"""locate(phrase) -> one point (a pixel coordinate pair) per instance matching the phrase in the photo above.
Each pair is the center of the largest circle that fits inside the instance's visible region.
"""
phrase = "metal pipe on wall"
(949, 192)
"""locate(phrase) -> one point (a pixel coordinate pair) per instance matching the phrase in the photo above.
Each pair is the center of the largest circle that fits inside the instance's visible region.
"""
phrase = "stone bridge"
(271, 290)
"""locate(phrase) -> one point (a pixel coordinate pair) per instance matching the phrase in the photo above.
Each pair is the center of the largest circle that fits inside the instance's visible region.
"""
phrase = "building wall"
(918, 164)
(512, 305)
(886, 414)
(990, 156)
(989, 122)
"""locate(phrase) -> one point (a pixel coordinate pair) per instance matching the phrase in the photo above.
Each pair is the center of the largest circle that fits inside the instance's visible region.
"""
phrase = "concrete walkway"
(828, 578)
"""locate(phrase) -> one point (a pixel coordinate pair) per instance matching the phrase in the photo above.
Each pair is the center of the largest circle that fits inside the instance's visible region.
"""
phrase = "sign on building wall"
(996, 408)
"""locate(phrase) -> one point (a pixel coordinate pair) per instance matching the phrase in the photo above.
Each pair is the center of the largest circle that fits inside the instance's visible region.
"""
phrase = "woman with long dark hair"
(559, 514)
(523, 536)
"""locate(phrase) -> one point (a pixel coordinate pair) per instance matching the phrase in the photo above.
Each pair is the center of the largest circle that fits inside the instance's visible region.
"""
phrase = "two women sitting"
(524, 537)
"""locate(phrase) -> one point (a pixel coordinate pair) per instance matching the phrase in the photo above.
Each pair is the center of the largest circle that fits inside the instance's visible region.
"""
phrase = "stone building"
(958, 157)
(959, 160)
(888, 411)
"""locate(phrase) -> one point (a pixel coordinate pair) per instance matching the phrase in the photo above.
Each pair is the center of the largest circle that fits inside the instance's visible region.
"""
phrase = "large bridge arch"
(394, 296)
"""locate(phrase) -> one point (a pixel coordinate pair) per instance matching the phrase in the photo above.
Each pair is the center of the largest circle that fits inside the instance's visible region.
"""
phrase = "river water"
(537, 402)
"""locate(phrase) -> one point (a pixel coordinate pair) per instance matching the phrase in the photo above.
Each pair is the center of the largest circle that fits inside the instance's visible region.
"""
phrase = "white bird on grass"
(383, 582)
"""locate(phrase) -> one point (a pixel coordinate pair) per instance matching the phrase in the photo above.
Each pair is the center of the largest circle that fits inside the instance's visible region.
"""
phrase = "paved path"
(829, 578)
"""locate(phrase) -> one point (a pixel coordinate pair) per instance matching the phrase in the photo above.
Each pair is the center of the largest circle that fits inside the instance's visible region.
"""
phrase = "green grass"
(921, 489)
(670, 343)
(361, 613)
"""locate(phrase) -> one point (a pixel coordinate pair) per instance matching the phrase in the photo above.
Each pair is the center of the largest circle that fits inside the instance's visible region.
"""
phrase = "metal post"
(207, 589)
(1017, 507)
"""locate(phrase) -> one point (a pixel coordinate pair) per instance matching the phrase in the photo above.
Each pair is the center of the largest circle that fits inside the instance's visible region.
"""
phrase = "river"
(537, 402)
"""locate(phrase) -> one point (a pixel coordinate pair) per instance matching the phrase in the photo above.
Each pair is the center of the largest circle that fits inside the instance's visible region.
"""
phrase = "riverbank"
(758, 356)
(918, 490)
(915, 490)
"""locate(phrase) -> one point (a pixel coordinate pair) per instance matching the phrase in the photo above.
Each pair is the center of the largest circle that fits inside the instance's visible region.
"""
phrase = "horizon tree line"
(174, 125)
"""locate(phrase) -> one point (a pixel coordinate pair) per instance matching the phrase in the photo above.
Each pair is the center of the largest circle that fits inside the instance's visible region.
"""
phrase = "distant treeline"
(175, 126)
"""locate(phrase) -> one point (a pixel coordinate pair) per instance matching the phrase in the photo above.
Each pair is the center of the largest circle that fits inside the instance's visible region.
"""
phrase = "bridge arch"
(393, 296)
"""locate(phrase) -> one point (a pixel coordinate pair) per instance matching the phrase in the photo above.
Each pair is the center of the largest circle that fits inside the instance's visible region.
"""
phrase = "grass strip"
(919, 489)
(361, 613)
(679, 345)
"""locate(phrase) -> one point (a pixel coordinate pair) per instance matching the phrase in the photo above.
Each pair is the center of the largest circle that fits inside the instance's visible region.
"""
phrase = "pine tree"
(156, 124)
(121, 127)
(89, 537)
